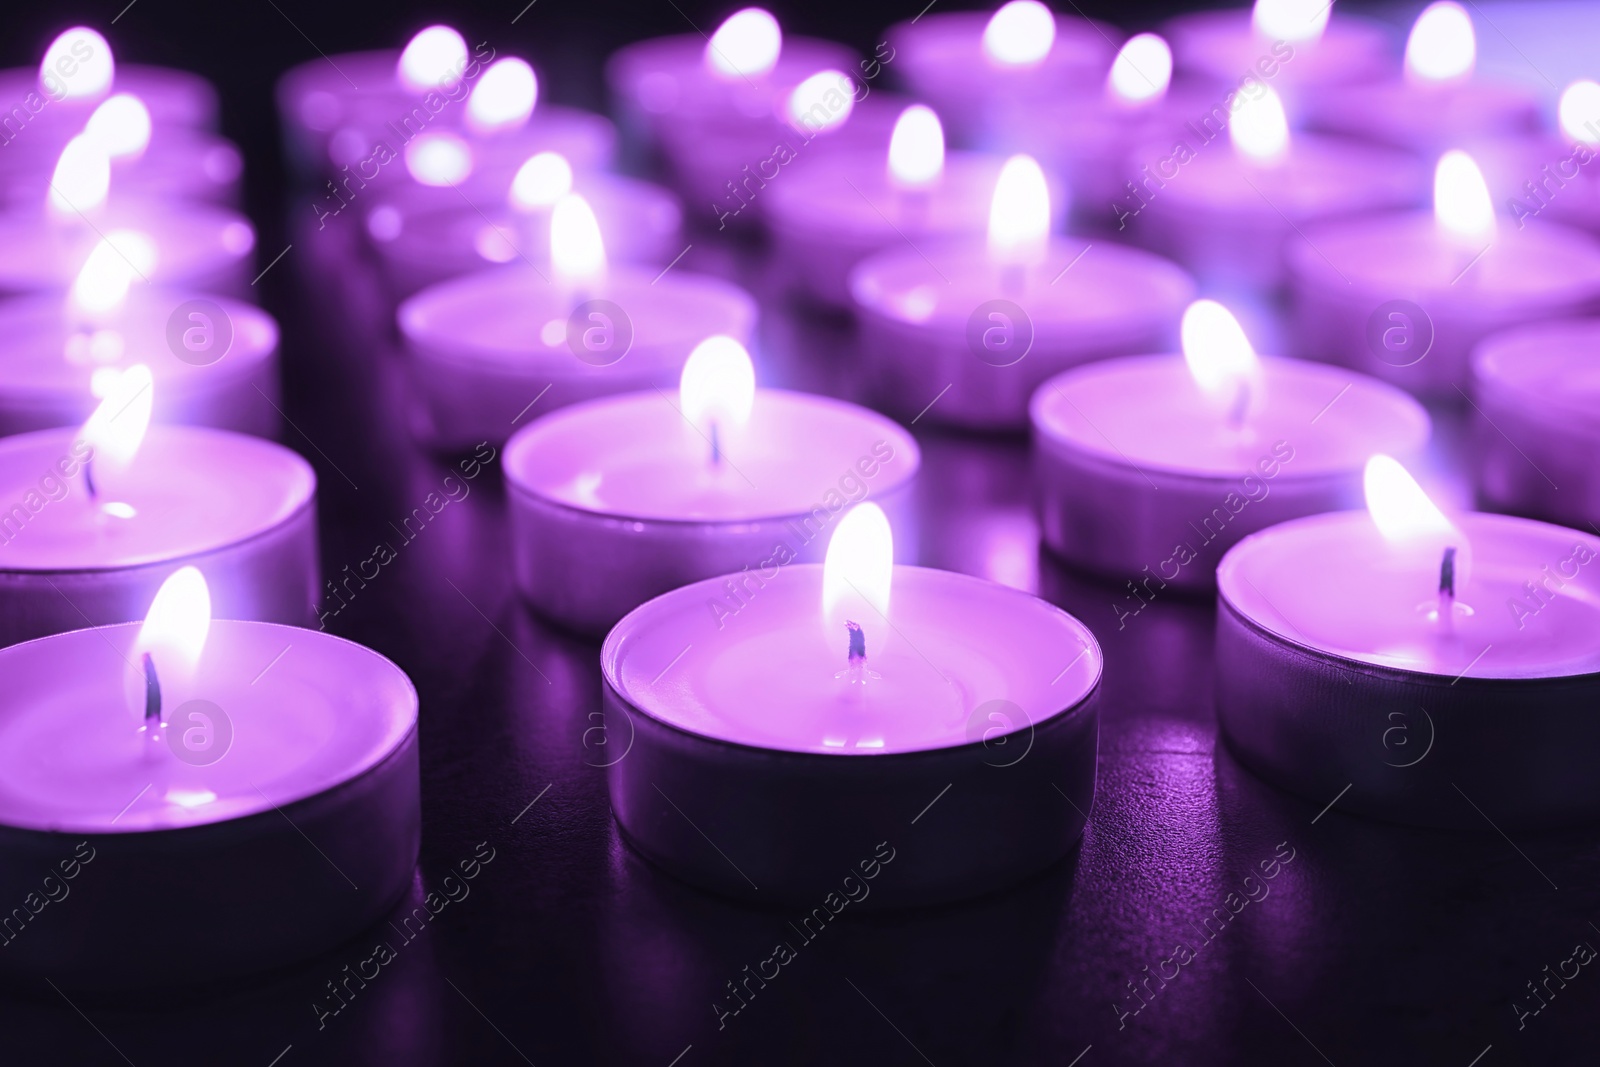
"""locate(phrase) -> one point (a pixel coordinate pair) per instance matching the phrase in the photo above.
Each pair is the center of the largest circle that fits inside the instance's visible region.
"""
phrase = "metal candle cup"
(487, 346)
(241, 508)
(1136, 480)
(1334, 684)
(743, 775)
(284, 819)
(616, 501)
(1536, 416)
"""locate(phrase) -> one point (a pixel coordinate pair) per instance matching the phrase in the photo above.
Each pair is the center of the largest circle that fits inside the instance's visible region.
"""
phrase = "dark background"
(1379, 944)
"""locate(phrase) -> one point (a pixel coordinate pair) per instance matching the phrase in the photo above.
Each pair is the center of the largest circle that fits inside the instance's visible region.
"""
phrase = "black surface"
(1376, 944)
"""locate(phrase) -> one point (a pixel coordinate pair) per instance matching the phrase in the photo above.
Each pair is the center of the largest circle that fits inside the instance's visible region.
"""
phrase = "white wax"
(1149, 411)
(192, 490)
(1333, 583)
(1552, 368)
(72, 757)
(766, 676)
(636, 457)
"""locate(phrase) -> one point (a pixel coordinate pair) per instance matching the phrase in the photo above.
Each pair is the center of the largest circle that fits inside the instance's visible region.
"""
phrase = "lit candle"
(214, 359)
(716, 107)
(1437, 101)
(1404, 297)
(1301, 46)
(422, 239)
(838, 702)
(972, 328)
(973, 67)
(618, 500)
(349, 117)
(93, 519)
(488, 346)
(827, 218)
(188, 245)
(276, 767)
(1148, 468)
(1230, 212)
(1536, 421)
(1549, 175)
(1420, 667)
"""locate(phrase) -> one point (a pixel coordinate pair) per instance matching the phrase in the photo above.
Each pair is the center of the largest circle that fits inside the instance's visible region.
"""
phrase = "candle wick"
(88, 480)
(1447, 585)
(152, 694)
(858, 644)
(716, 445)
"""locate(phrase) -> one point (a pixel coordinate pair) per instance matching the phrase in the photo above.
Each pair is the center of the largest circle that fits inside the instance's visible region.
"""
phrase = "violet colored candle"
(1438, 102)
(485, 348)
(274, 767)
(1536, 421)
(1405, 297)
(804, 733)
(963, 332)
(1148, 468)
(1550, 176)
(618, 500)
(1232, 212)
(1417, 667)
(972, 67)
(92, 521)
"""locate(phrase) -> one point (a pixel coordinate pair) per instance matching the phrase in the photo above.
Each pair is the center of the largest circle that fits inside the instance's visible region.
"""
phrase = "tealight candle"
(810, 732)
(1550, 176)
(1148, 468)
(93, 520)
(827, 218)
(1438, 102)
(968, 331)
(1417, 667)
(713, 105)
(1296, 43)
(172, 161)
(181, 245)
(1231, 216)
(1404, 297)
(488, 346)
(618, 500)
(51, 103)
(273, 767)
(967, 64)
(1536, 415)
(215, 360)
(354, 114)
(421, 240)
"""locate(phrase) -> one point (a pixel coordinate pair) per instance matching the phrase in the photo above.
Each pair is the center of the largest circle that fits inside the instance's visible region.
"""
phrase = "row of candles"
(735, 545)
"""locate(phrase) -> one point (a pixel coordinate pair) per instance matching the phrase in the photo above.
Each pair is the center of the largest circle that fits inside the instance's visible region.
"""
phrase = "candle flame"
(176, 626)
(82, 178)
(916, 149)
(540, 182)
(439, 159)
(1580, 112)
(1142, 70)
(718, 386)
(118, 425)
(87, 55)
(1220, 357)
(577, 251)
(857, 570)
(1442, 46)
(102, 283)
(1260, 129)
(821, 102)
(434, 56)
(1413, 523)
(1020, 34)
(1019, 214)
(504, 97)
(746, 45)
(1461, 204)
(1291, 20)
(121, 125)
